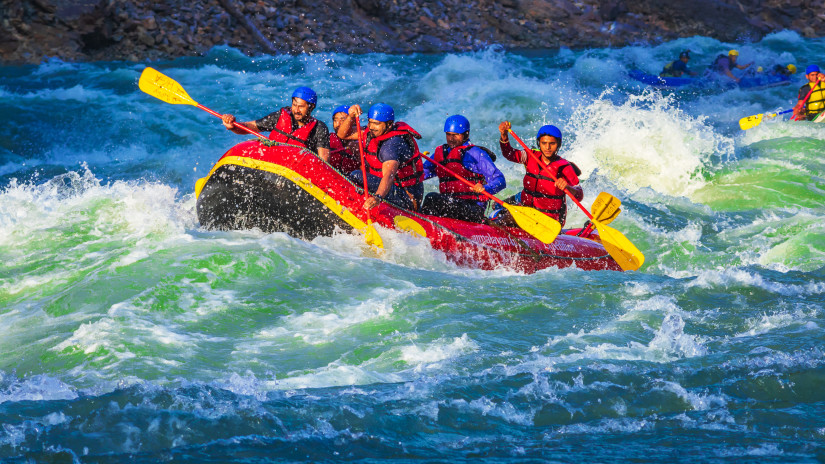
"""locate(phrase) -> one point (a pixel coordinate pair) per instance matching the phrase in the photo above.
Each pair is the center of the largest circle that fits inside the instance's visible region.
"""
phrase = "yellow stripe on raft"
(299, 180)
(409, 225)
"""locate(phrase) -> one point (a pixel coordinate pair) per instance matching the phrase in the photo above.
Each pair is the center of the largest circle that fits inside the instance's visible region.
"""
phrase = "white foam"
(668, 343)
(671, 339)
(113, 339)
(486, 407)
(697, 401)
(646, 141)
(429, 357)
(144, 208)
(77, 93)
(246, 384)
(741, 277)
(605, 426)
(34, 388)
(770, 360)
(399, 247)
(778, 320)
(120, 224)
(762, 450)
(316, 327)
(334, 375)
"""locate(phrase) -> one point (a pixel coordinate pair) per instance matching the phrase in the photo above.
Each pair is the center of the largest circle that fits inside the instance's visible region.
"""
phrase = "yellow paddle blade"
(609, 219)
(605, 208)
(535, 222)
(750, 122)
(626, 255)
(371, 236)
(164, 87)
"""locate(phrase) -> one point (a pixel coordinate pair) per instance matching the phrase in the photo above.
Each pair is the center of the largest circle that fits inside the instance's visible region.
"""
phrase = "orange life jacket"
(283, 132)
(411, 171)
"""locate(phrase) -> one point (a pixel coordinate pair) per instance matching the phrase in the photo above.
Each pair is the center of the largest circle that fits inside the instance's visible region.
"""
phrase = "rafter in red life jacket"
(340, 157)
(411, 171)
(453, 160)
(283, 132)
(540, 191)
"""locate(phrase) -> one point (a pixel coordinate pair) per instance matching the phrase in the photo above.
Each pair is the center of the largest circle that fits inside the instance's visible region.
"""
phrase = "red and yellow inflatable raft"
(281, 188)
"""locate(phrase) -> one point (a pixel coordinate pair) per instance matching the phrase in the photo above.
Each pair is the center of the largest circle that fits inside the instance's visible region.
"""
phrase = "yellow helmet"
(759, 69)
(733, 53)
(792, 68)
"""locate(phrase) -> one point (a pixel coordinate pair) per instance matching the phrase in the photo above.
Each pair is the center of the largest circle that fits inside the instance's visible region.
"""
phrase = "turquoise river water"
(129, 333)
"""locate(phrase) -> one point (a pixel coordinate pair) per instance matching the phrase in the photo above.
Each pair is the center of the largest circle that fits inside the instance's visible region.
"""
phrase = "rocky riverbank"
(136, 30)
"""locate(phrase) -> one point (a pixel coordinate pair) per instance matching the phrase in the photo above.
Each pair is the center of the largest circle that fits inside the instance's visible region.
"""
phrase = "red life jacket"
(283, 132)
(411, 171)
(340, 157)
(449, 184)
(540, 191)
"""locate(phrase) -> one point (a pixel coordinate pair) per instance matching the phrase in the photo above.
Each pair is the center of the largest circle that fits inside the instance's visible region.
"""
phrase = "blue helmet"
(381, 112)
(457, 124)
(550, 130)
(812, 68)
(340, 109)
(306, 94)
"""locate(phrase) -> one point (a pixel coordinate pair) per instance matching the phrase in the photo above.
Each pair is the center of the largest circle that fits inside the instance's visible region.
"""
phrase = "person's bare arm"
(388, 171)
(345, 131)
(229, 119)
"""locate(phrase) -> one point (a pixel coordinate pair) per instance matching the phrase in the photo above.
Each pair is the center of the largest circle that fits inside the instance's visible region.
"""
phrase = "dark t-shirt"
(318, 136)
(803, 91)
(679, 65)
(395, 149)
(721, 64)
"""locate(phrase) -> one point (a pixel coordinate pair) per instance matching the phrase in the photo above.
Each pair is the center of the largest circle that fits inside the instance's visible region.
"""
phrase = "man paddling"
(293, 125)
(811, 98)
(393, 161)
(679, 67)
(454, 198)
(540, 190)
(724, 64)
(343, 154)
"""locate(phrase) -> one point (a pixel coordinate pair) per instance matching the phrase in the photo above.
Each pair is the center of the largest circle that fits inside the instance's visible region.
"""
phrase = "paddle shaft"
(239, 126)
(547, 171)
(535, 223)
(749, 122)
(485, 193)
(363, 161)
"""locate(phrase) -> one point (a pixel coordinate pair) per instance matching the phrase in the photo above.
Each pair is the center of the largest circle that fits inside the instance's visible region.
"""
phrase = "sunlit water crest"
(131, 334)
